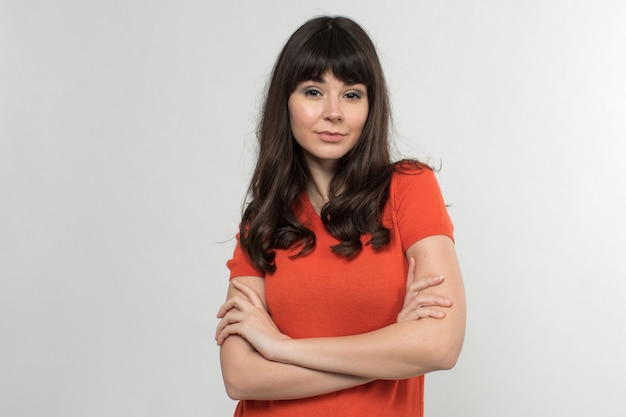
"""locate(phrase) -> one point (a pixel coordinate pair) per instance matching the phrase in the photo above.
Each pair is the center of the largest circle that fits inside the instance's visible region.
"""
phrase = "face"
(327, 117)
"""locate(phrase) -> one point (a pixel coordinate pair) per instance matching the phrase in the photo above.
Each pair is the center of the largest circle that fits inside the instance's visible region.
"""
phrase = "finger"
(224, 309)
(231, 329)
(252, 295)
(227, 306)
(233, 316)
(427, 300)
(421, 284)
(237, 302)
(421, 313)
(429, 312)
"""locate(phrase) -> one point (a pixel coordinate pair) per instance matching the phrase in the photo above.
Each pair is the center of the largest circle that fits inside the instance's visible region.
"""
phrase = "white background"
(126, 141)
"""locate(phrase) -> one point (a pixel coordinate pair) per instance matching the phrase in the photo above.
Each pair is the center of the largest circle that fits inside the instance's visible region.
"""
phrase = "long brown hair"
(360, 187)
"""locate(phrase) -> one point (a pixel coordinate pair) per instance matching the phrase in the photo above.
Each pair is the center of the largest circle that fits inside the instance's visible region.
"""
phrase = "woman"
(337, 304)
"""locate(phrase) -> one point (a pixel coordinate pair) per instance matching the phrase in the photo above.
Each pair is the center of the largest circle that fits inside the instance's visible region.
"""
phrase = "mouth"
(328, 136)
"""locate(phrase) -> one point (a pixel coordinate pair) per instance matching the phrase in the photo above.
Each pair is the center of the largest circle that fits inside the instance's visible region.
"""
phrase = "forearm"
(398, 351)
(248, 375)
(280, 368)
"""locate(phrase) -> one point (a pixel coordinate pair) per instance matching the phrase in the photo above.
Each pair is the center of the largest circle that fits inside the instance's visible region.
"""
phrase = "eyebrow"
(322, 80)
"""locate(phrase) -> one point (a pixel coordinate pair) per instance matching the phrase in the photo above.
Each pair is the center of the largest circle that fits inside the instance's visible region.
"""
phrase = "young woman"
(345, 287)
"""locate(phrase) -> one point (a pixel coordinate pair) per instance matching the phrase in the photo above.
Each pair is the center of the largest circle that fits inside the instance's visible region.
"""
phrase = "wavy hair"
(360, 187)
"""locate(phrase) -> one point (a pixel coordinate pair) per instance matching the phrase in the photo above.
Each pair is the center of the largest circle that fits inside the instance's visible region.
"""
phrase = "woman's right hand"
(245, 314)
(418, 306)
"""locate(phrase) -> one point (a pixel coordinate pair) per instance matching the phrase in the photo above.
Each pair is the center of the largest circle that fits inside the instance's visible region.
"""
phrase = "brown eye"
(353, 95)
(312, 92)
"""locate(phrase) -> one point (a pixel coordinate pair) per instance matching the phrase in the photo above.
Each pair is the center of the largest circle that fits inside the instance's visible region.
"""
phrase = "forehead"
(350, 68)
(329, 77)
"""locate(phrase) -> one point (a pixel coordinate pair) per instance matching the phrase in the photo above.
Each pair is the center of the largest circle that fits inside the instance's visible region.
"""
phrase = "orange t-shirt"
(325, 295)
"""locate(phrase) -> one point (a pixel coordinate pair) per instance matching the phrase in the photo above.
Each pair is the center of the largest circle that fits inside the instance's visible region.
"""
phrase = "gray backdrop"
(126, 141)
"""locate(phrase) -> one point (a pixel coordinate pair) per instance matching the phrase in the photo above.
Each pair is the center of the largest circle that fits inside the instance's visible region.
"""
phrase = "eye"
(312, 92)
(353, 95)
(356, 93)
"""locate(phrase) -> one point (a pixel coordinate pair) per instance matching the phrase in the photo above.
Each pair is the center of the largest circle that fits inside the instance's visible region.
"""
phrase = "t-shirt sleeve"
(419, 206)
(240, 264)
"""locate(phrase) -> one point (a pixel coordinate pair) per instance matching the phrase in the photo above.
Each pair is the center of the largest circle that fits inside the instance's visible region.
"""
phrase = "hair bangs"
(333, 50)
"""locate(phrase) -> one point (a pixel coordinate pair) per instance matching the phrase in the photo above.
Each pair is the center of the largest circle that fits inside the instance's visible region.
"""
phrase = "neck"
(317, 188)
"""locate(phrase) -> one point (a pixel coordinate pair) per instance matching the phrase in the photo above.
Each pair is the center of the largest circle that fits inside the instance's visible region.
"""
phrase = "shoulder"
(417, 203)
(410, 166)
(409, 174)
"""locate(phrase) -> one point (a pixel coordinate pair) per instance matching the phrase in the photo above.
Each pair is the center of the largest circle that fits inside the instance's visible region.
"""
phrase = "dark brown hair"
(360, 187)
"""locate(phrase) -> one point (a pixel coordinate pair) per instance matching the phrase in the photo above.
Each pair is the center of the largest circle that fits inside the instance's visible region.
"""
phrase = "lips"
(327, 136)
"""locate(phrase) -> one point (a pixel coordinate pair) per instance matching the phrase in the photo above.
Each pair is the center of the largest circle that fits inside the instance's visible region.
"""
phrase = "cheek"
(295, 115)
(297, 124)
(360, 119)
(294, 124)
(302, 117)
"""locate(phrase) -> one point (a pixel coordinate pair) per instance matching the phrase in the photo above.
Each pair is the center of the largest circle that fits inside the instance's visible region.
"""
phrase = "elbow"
(442, 351)
(235, 385)
(234, 392)
(448, 346)
(234, 377)
(235, 357)
(447, 356)
(447, 360)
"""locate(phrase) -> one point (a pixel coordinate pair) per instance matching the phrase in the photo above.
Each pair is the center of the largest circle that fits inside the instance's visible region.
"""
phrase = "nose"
(332, 111)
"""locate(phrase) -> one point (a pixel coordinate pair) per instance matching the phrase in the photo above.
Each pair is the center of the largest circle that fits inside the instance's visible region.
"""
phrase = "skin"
(327, 117)
(260, 362)
(250, 375)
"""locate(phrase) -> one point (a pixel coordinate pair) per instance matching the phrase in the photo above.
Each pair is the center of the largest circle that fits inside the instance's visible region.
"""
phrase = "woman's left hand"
(418, 305)
(245, 315)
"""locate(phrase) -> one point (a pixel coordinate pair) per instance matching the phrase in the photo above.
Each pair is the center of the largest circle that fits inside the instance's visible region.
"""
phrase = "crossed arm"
(259, 362)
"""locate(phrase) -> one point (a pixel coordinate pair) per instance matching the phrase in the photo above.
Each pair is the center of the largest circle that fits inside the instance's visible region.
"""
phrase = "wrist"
(280, 351)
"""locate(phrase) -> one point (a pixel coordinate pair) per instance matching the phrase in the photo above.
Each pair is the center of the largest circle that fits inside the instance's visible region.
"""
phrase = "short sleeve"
(419, 206)
(240, 264)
